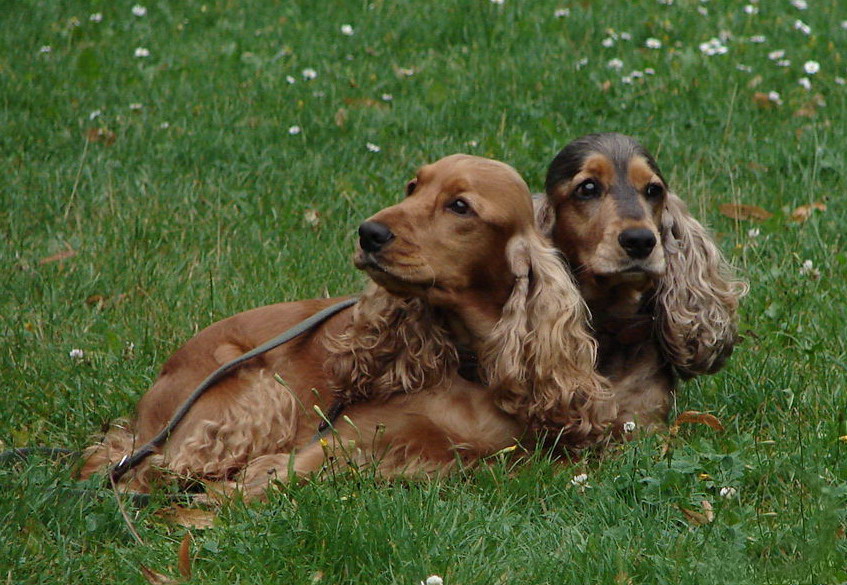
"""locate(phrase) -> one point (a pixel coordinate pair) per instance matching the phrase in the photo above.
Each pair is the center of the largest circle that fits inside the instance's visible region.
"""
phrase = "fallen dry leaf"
(804, 212)
(103, 135)
(188, 517)
(708, 511)
(742, 211)
(155, 578)
(696, 518)
(755, 82)
(692, 416)
(184, 556)
(763, 100)
(63, 255)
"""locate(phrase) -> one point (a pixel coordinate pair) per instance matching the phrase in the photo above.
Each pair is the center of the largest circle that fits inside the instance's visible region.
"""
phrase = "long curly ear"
(544, 214)
(540, 358)
(391, 345)
(697, 300)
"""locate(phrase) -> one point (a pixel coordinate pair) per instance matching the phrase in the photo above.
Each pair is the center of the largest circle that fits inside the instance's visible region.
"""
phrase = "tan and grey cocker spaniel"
(459, 269)
(662, 298)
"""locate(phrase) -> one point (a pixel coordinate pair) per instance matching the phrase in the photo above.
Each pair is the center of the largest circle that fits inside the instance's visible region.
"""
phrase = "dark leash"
(129, 462)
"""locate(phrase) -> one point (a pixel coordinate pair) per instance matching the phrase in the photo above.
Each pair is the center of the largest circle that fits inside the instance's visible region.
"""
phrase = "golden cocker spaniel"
(662, 298)
(458, 269)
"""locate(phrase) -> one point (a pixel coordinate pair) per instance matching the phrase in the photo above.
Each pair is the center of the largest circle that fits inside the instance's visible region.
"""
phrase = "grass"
(198, 204)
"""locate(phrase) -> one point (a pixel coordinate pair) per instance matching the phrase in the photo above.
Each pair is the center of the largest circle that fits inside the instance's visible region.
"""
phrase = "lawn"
(170, 164)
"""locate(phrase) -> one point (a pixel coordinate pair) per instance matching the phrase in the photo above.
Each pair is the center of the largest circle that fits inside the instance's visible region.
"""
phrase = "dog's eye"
(654, 191)
(460, 207)
(588, 189)
(410, 186)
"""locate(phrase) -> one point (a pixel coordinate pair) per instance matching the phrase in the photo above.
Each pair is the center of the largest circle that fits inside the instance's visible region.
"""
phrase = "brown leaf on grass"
(155, 578)
(695, 518)
(606, 86)
(341, 117)
(742, 211)
(623, 578)
(365, 103)
(63, 255)
(762, 100)
(804, 212)
(102, 135)
(317, 576)
(694, 417)
(708, 511)
(188, 517)
(184, 556)
(754, 82)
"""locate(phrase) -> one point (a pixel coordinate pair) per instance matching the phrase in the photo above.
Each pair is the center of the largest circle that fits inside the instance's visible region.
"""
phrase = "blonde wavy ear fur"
(697, 299)
(540, 357)
(391, 344)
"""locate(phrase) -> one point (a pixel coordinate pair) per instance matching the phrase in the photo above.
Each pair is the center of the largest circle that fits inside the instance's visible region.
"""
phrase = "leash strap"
(131, 461)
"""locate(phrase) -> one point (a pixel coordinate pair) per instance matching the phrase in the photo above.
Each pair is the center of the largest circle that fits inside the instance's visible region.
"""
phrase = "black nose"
(374, 235)
(638, 242)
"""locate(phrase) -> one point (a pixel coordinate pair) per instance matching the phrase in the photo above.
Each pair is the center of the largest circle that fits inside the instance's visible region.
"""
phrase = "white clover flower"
(840, 81)
(582, 63)
(713, 47)
(728, 492)
(372, 147)
(802, 27)
(811, 67)
(805, 83)
(615, 64)
(135, 106)
(608, 42)
(76, 354)
(142, 52)
(472, 143)
(94, 114)
(649, 71)
(758, 39)
(626, 80)
(636, 74)
(163, 126)
(294, 130)
(652, 43)
(744, 68)
(807, 266)
(844, 24)
(347, 30)
(497, 1)
(703, 11)
(776, 55)
(45, 49)
(799, 4)
(628, 426)
(406, 71)
(387, 97)
(562, 12)
(139, 10)
(625, 36)
(783, 63)
(777, 99)
(309, 74)
(434, 579)
(665, 2)
(753, 233)
(580, 480)
(96, 17)
(751, 9)
(290, 79)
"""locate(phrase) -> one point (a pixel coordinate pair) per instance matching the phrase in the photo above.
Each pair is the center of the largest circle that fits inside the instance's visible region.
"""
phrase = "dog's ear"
(391, 345)
(544, 214)
(540, 358)
(697, 299)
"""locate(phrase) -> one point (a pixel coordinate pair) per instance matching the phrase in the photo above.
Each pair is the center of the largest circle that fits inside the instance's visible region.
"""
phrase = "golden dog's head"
(447, 240)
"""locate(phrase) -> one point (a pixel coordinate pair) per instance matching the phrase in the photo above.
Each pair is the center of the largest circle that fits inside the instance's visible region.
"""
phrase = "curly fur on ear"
(540, 357)
(697, 299)
(391, 343)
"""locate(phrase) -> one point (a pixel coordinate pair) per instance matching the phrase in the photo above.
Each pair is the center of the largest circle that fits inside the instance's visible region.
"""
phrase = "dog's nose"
(374, 235)
(638, 242)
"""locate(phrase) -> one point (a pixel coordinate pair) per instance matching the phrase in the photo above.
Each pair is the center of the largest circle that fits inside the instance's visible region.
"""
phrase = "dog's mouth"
(634, 273)
(386, 277)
